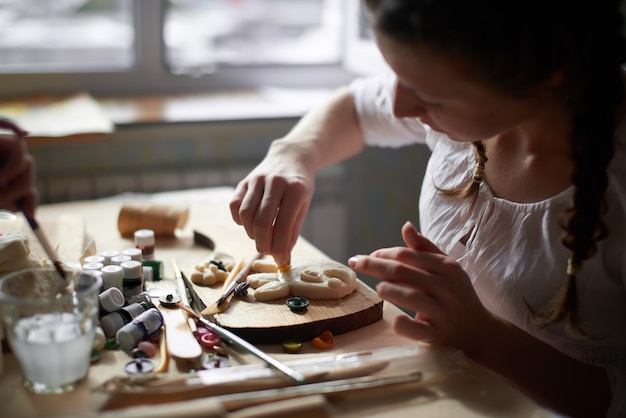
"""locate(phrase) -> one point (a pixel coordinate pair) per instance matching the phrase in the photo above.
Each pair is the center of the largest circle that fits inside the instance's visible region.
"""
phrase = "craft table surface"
(477, 393)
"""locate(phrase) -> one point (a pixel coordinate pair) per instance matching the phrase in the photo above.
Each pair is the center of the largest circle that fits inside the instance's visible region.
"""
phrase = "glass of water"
(50, 324)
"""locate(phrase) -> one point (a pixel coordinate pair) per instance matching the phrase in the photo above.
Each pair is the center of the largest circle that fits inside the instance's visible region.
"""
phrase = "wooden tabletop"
(454, 386)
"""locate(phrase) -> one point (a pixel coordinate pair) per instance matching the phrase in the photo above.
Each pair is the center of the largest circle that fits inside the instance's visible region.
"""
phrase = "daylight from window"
(201, 34)
(65, 35)
(197, 35)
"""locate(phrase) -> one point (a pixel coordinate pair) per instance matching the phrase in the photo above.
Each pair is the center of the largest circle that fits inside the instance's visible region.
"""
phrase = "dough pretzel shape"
(313, 279)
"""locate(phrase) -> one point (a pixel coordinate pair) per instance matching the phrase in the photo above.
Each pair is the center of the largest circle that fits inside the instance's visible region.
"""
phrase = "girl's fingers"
(236, 201)
(282, 256)
(412, 328)
(417, 241)
(247, 204)
(287, 223)
(409, 298)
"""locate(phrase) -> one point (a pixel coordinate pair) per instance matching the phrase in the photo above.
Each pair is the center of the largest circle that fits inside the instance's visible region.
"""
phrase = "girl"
(523, 206)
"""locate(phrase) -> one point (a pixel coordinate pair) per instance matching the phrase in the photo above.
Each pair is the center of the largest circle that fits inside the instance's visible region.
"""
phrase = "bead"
(139, 353)
(324, 340)
(210, 340)
(148, 348)
(297, 304)
(139, 366)
(292, 346)
(170, 300)
(111, 344)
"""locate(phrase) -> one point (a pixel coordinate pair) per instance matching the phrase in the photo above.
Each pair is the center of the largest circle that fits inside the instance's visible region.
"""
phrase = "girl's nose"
(405, 104)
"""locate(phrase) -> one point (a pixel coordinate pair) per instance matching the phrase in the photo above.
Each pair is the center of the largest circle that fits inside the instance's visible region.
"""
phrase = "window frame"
(150, 74)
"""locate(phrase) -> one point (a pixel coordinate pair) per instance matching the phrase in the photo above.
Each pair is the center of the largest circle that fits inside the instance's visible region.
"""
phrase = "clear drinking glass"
(50, 324)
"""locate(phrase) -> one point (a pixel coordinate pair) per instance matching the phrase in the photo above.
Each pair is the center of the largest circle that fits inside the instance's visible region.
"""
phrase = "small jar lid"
(111, 299)
(108, 255)
(144, 237)
(133, 253)
(112, 276)
(128, 336)
(120, 258)
(94, 259)
(111, 323)
(132, 268)
(93, 266)
(112, 270)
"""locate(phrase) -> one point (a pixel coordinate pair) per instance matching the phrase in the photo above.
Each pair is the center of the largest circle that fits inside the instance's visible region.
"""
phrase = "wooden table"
(461, 389)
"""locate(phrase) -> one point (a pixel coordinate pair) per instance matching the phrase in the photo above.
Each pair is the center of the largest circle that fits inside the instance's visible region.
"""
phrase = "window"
(69, 35)
(199, 36)
(161, 46)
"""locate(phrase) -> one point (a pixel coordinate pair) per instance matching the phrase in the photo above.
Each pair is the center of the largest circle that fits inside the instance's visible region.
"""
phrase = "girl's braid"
(594, 102)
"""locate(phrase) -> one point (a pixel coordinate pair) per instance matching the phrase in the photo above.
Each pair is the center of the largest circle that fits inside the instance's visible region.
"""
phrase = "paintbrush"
(241, 276)
(182, 290)
(237, 341)
(20, 135)
(238, 275)
(43, 241)
(213, 309)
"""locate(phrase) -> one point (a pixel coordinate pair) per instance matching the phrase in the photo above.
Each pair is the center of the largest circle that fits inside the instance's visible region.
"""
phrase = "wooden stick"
(241, 276)
(164, 357)
(214, 308)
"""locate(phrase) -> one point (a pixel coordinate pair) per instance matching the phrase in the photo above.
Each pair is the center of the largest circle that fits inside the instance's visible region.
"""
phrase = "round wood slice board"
(272, 322)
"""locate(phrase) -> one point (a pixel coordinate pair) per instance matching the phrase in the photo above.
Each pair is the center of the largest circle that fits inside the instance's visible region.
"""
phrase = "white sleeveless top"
(514, 251)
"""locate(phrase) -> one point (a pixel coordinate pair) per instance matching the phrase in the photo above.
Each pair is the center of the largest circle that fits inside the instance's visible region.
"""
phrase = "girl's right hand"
(272, 201)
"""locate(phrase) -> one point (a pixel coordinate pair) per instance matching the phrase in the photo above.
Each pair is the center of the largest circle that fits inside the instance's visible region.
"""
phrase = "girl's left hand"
(422, 279)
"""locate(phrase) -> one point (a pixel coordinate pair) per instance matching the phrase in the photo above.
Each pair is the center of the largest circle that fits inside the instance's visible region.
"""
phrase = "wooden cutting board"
(272, 322)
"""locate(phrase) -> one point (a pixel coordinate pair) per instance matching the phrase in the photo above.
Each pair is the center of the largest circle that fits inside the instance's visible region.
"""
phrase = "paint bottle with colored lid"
(111, 300)
(145, 241)
(139, 329)
(132, 281)
(112, 322)
(113, 276)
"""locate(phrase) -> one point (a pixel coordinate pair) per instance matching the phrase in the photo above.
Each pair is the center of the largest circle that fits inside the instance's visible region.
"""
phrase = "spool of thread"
(164, 220)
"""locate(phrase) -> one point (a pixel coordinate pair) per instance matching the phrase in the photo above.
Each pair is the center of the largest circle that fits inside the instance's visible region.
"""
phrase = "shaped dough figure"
(313, 279)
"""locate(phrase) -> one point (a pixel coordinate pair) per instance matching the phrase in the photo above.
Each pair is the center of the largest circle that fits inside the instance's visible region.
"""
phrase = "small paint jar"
(93, 266)
(132, 281)
(108, 255)
(114, 321)
(94, 259)
(134, 254)
(111, 300)
(112, 276)
(139, 329)
(119, 259)
(157, 268)
(145, 241)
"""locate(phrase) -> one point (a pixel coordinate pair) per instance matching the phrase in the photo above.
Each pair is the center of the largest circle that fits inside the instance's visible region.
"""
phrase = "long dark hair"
(514, 47)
